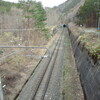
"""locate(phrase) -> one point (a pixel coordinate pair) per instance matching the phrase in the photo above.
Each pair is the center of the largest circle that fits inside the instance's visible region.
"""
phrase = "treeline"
(32, 10)
(88, 14)
(5, 6)
(26, 14)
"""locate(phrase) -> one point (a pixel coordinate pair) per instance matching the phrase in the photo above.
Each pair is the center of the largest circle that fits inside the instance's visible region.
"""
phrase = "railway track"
(37, 85)
(43, 86)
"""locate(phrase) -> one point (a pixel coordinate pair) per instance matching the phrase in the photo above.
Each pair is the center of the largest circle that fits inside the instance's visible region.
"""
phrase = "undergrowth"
(92, 43)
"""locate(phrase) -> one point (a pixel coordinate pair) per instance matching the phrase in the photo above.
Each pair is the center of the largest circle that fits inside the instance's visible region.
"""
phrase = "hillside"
(52, 16)
(86, 45)
(21, 24)
(66, 11)
(27, 24)
(69, 9)
(66, 6)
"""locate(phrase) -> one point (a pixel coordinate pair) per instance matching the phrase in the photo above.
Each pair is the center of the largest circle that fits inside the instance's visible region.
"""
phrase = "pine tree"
(88, 14)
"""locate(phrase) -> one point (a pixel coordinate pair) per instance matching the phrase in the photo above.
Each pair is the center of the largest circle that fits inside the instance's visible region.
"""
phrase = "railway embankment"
(86, 48)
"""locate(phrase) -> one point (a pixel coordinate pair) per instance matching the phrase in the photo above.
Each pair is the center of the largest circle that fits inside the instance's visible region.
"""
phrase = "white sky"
(46, 3)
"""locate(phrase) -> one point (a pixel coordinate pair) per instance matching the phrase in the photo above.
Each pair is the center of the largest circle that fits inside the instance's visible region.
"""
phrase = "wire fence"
(13, 42)
(18, 38)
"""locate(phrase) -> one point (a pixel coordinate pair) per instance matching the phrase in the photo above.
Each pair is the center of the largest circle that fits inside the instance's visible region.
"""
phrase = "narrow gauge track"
(36, 87)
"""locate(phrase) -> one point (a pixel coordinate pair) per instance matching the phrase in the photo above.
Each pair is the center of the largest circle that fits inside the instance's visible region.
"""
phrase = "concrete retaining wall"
(89, 72)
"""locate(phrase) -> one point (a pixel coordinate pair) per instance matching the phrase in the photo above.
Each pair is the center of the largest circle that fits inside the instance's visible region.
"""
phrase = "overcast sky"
(46, 3)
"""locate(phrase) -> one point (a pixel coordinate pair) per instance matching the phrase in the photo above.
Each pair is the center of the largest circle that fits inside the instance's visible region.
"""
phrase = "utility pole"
(99, 23)
(97, 4)
(98, 15)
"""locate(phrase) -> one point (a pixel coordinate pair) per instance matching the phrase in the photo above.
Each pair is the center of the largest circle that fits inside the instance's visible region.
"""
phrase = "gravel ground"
(15, 76)
(53, 91)
(71, 86)
(31, 87)
(64, 83)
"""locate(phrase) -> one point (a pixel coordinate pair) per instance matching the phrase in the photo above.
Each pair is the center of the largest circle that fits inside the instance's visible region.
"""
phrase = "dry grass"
(16, 69)
(89, 39)
(91, 43)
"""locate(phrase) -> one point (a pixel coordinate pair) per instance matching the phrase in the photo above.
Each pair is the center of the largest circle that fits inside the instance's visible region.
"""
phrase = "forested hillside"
(69, 4)
(85, 12)
(24, 15)
(21, 24)
(65, 11)
(88, 14)
(52, 16)
(69, 10)
(5, 6)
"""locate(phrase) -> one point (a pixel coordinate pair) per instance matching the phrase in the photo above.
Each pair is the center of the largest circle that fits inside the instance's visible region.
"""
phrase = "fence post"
(1, 91)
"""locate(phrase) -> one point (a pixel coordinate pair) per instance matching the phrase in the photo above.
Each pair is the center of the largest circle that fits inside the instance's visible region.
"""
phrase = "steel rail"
(46, 85)
(39, 83)
(48, 75)
(37, 77)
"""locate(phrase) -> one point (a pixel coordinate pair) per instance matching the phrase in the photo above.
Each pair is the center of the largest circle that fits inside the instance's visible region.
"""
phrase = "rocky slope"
(63, 13)
(52, 16)
(69, 10)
